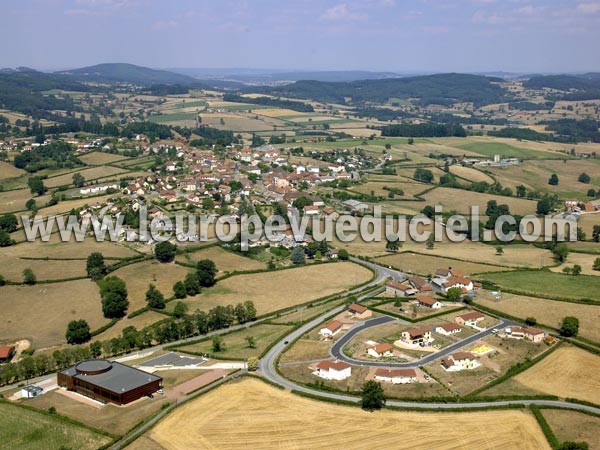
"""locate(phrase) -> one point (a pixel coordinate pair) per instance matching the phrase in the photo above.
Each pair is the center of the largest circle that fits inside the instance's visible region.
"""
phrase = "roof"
(335, 365)
(419, 282)
(533, 330)
(462, 355)
(426, 300)
(442, 272)
(116, 377)
(418, 331)
(6, 351)
(395, 373)
(472, 315)
(382, 348)
(355, 307)
(450, 326)
(333, 325)
(400, 287)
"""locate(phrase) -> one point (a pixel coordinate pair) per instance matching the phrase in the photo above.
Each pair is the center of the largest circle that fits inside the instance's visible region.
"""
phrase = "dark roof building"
(108, 381)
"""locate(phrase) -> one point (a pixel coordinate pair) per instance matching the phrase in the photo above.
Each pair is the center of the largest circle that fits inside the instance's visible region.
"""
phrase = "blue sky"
(399, 35)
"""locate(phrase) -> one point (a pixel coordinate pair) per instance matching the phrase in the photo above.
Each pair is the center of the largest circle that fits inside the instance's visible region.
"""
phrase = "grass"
(12, 269)
(568, 372)
(11, 201)
(573, 426)
(224, 260)
(242, 412)
(236, 345)
(55, 248)
(92, 173)
(27, 429)
(101, 158)
(548, 283)
(490, 149)
(272, 291)
(41, 313)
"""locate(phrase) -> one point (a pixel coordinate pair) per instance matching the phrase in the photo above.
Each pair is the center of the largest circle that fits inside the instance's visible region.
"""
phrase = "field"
(9, 171)
(567, 372)
(54, 248)
(272, 291)
(574, 426)
(548, 283)
(490, 149)
(426, 264)
(101, 158)
(41, 313)
(587, 223)
(89, 174)
(224, 260)
(471, 174)
(547, 312)
(236, 345)
(584, 260)
(11, 201)
(137, 277)
(243, 412)
(143, 320)
(26, 429)
(12, 269)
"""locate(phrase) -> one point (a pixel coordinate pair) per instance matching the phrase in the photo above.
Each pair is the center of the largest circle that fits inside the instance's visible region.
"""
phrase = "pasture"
(490, 147)
(41, 312)
(427, 264)
(27, 429)
(224, 260)
(12, 268)
(9, 171)
(239, 411)
(574, 426)
(275, 290)
(101, 158)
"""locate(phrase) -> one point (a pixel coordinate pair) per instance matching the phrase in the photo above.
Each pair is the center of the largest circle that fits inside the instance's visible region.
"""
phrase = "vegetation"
(165, 251)
(114, 297)
(569, 327)
(372, 396)
(78, 332)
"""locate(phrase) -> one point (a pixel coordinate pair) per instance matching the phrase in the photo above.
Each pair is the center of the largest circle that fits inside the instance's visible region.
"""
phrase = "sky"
(394, 35)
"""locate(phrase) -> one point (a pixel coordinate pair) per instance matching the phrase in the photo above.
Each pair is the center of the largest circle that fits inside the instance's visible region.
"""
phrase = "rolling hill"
(127, 73)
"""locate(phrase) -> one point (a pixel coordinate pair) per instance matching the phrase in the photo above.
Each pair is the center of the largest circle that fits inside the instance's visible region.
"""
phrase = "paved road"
(337, 349)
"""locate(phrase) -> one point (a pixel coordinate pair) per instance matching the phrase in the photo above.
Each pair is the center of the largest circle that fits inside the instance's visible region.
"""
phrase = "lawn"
(236, 346)
(548, 283)
(41, 313)
(243, 412)
(26, 429)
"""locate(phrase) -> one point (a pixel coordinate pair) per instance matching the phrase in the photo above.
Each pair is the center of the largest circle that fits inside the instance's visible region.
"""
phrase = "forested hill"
(442, 89)
(127, 73)
(575, 87)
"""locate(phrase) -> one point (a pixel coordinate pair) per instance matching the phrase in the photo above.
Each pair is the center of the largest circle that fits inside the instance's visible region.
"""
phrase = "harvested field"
(587, 223)
(11, 201)
(139, 322)
(12, 269)
(547, 312)
(89, 174)
(26, 429)
(272, 291)
(243, 412)
(9, 171)
(138, 276)
(57, 249)
(224, 260)
(574, 426)
(567, 372)
(426, 264)
(48, 308)
(68, 205)
(471, 174)
(101, 158)
(585, 261)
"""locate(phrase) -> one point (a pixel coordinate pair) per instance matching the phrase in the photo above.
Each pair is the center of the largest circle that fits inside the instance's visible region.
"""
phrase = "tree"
(201, 321)
(553, 180)
(3, 281)
(343, 254)
(251, 342)
(250, 310)
(208, 204)
(576, 270)
(531, 321)
(36, 185)
(584, 178)
(165, 251)
(392, 245)
(561, 251)
(544, 206)
(8, 223)
(596, 233)
(95, 266)
(179, 290)
(581, 234)
(298, 256)
(571, 445)
(155, 298)
(521, 191)
(31, 205)
(29, 277)
(192, 286)
(78, 332)
(217, 344)
(180, 309)
(78, 180)
(428, 211)
(240, 313)
(454, 294)
(596, 265)
(206, 270)
(569, 326)
(372, 396)
(499, 251)
(430, 243)
(5, 239)
(423, 175)
(114, 297)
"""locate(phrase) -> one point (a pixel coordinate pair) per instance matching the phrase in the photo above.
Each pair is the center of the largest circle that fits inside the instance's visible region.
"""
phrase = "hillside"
(127, 73)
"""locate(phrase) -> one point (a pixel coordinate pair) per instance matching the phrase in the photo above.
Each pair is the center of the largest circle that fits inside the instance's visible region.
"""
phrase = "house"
(515, 332)
(428, 302)
(535, 334)
(420, 284)
(355, 205)
(380, 350)
(311, 210)
(417, 336)
(329, 212)
(448, 329)
(331, 329)
(398, 289)
(333, 370)
(31, 391)
(460, 282)
(359, 311)
(469, 319)
(396, 376)
(460, 361)
(6, 353)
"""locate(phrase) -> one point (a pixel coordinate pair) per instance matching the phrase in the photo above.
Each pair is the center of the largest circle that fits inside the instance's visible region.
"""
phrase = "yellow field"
(41, 313)
(9, 171)
(100, 158)
(427, 264)
(587, 223)
(224, 260)
(574, 426)
(239, 414)
(584, 260)
(471, 174)
(272, 291)
(137, 277)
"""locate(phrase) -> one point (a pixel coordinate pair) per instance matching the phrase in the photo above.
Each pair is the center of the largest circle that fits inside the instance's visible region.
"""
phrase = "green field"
(191, 104)
(506, 151)
(23, 428)
(175, 117)
(548, 283)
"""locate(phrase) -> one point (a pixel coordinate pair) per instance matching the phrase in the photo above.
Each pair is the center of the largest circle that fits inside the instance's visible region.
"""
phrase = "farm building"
(6, 352)
(358, 311)
(333, 370)
(396, 376)
(398, 289)
(108, 381)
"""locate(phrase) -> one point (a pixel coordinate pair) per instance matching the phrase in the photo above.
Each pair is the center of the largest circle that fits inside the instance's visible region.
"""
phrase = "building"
(31, 391)
(398, 289)
(355, 205)
(396, 376)
(359, 311)
(380, 350)
(417, 336)
(108, 381)
(333, 370)
(331, 329)
(470, 319)
(535, 334)
(428, 302)
(420, 284)
(460, 361)
(448, 329)
(6, 353)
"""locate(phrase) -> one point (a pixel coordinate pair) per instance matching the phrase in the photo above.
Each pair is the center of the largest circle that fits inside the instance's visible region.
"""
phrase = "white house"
(429, 302)
(469, 319)
(331, 329)
(448, 329)
(380, 350)
(333, 370)
(396, 376)
(460, 361)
